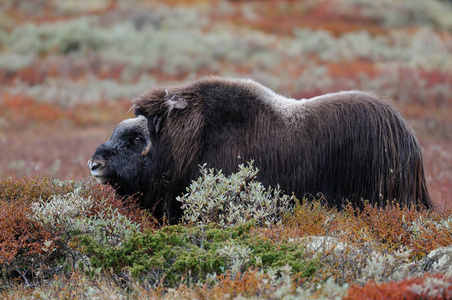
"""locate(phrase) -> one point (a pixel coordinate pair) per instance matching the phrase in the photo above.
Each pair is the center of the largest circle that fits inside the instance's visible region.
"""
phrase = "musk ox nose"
(97, 168)
(94, 166)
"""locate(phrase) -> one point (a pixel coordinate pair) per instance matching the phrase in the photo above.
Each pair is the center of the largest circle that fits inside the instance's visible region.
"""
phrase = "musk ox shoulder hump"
(246, 95)
(261, 92)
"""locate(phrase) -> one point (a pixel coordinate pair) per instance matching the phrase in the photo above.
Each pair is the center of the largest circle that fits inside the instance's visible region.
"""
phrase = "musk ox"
(349, 145)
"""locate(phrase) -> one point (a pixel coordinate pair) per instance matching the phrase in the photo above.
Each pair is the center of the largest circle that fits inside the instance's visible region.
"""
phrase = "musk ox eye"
(137, 140)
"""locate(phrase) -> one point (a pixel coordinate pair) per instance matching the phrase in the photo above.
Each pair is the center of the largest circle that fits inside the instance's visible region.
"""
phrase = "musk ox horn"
(147, 149)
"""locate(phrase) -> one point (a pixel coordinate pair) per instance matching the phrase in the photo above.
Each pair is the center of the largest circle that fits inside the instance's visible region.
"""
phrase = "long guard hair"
(349, 145)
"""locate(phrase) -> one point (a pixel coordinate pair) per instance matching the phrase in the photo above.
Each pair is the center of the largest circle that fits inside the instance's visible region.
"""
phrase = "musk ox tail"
(403, 155)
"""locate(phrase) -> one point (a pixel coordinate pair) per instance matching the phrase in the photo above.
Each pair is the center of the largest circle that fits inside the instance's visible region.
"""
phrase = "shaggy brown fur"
(349, 145)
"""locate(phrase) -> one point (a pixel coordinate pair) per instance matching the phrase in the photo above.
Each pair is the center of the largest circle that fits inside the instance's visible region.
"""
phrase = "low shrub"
(41, 220)
(180, 254)
(389, 229)
(25, 246)
(233, 200)
(30, 189)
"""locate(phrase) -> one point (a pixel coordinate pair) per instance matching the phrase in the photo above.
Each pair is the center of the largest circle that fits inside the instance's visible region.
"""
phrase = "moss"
(177, 253)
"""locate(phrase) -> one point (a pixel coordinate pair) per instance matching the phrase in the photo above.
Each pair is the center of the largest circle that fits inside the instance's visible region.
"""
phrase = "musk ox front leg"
(123, 161)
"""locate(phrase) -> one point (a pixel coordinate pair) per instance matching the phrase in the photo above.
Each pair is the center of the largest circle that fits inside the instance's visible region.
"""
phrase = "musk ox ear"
(172, 104)
(157, 122)
(176, 103)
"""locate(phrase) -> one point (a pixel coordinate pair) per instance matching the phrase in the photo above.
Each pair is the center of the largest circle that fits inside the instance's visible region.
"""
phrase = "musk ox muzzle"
(97, 167)
(123, 159)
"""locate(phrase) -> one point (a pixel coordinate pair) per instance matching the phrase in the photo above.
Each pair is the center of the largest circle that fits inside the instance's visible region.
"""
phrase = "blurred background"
(69, 69)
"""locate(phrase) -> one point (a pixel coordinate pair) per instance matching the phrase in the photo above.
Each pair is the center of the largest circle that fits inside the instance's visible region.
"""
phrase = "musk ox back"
(349, 145)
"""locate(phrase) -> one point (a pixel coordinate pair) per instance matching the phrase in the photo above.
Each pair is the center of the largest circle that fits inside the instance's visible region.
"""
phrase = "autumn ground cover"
(68, 71)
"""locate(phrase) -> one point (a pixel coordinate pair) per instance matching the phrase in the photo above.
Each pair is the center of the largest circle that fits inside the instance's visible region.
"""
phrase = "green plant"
(233, 200)
(193, 254)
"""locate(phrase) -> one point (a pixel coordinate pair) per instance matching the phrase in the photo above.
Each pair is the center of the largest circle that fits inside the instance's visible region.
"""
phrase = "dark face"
(123, 160)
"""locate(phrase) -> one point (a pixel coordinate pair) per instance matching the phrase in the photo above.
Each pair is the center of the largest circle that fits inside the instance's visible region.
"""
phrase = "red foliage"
(19, 235)
(438, 168)
(128, 207)
(352, 69)
(434, 77)
(31, 189)
(321, 16)
(22, 109)
(394, 226)
(241, 285)
(438, 286)
(47, 11)
(249, 284)
(387, 228)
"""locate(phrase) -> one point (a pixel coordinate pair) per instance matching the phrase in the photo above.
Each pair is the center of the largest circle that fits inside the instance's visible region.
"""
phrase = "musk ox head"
(123, 161)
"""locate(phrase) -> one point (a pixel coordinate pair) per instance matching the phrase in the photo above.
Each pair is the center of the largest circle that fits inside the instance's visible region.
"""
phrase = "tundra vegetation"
(68, 70)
